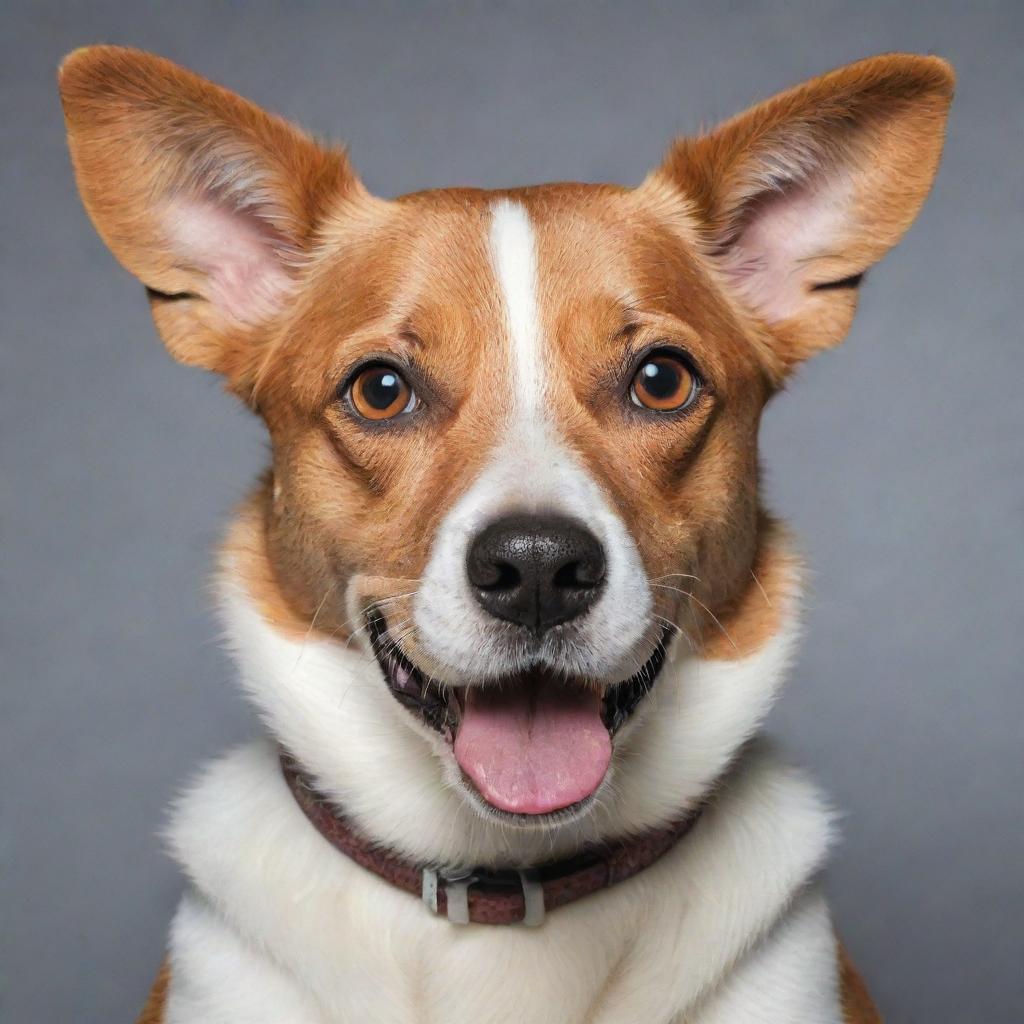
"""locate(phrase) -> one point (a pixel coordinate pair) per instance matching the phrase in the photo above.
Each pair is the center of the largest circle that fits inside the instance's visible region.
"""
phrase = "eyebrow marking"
(513, 251)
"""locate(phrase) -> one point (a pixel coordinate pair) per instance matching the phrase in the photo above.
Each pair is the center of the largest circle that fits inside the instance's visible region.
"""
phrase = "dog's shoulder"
(858, 1007)
(764, 814)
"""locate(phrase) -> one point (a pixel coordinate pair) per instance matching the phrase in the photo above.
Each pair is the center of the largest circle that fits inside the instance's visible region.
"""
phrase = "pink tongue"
(535, 748)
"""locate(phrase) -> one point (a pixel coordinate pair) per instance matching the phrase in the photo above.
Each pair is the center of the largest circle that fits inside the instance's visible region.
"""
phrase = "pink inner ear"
(239, 254)
(770, 262)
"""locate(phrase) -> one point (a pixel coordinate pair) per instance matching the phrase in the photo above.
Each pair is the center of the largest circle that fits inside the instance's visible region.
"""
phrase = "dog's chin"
(531, 750)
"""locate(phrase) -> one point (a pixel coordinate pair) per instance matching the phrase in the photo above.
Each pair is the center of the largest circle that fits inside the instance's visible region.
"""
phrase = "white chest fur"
(303, 934)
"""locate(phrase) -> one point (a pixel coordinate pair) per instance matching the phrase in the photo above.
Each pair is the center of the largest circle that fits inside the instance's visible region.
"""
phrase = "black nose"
(536, 571)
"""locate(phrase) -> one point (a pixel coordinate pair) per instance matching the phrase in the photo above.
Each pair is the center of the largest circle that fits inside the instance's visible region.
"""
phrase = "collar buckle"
(533, 898)
(456, 890)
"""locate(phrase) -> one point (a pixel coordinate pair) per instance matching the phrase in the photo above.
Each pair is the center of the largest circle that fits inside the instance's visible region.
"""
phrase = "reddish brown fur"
(156, 1005)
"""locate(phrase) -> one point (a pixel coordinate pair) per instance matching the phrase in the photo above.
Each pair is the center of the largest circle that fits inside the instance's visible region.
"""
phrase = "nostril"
(500, 576)
(575, 576)
(565, 577)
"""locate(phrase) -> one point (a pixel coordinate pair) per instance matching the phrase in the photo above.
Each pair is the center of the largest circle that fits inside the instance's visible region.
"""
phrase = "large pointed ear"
(211, 202)
(800, 195)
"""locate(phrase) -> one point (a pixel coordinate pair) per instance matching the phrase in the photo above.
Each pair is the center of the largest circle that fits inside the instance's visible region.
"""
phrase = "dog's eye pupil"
(660, 380)
(664, 383)
(382, 389)
(381, 393)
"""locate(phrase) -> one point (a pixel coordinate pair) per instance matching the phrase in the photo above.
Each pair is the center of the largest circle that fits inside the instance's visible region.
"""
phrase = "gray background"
(898, 459)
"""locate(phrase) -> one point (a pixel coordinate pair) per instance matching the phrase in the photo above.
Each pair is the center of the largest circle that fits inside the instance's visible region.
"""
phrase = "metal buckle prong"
(533, 898)
(429, 890)
(456, 890)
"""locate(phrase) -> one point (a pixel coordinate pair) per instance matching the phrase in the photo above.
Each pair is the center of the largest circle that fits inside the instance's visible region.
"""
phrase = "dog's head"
(514, 433)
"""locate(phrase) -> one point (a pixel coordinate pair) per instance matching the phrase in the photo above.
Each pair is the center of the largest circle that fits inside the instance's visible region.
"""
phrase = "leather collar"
(486, 896)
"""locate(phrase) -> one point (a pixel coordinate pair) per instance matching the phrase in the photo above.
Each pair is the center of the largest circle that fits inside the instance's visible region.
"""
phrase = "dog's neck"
(324, 700)
(521, 894)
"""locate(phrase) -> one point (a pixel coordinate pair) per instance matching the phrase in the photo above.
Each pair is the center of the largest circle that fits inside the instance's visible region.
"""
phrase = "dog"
(507, 598)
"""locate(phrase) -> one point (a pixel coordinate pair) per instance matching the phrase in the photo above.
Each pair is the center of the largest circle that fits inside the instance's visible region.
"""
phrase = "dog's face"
(514, 434)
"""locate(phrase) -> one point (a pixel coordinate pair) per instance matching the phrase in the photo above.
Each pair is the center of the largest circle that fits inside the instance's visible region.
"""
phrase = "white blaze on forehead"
(532, 468)
(513, 252)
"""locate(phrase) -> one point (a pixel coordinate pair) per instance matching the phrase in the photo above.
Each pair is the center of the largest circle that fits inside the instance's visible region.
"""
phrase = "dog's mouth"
(532, 744)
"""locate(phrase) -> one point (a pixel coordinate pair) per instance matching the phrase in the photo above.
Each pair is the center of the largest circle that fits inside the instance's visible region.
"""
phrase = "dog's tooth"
(402, 677)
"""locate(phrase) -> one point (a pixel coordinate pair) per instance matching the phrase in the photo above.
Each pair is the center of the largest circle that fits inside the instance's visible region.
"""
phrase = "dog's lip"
(440, 706)
(418, 693)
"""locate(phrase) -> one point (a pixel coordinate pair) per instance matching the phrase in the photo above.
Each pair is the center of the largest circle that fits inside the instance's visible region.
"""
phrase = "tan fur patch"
(858, 1007)
(156, 1005)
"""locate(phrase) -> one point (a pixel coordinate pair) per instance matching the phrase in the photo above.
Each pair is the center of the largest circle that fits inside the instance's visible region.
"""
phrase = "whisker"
(319, 608)
(373, 604)
(679, 629)
(696, 627)
(715, 619)
(364, 627)
(312, 625)
(388, 639)
(668, 622)
(396, 645)
(665, 586)
(767, 599)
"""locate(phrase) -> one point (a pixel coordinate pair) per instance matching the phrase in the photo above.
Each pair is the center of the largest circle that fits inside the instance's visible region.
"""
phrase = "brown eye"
(664, 383)
(380, 393)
